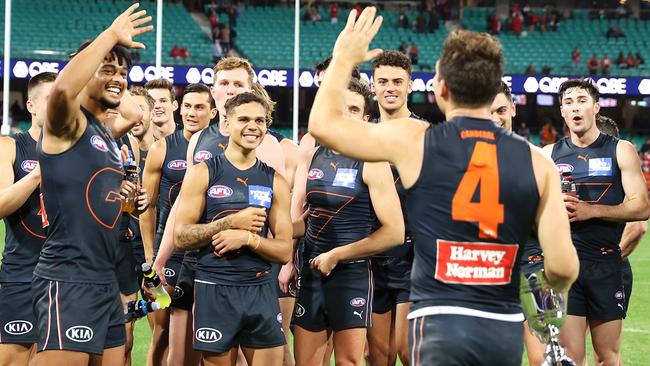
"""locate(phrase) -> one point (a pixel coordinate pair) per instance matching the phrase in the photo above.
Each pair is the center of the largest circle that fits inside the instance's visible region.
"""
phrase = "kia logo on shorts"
(178, 292)
(28, 165)
(169, 272)
(18, 327)
(358, 302)
(315, 174)
(208, 335)
(279, 318)
(220, 191)
(202, 155)
(177, 165)
(98, 143)
(300, 311)
(79, 333)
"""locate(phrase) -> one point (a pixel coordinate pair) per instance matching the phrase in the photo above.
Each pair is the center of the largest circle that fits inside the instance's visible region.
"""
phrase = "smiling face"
(579, 110)
(196, 112)
(246, 125)
(355, 106)
(391, 85)
(502, 111)
(141, 128)
(109, 82)
(164, 106)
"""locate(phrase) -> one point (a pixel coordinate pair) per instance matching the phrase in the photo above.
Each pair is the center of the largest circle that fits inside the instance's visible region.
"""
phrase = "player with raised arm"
(75, 292)
(465, 275)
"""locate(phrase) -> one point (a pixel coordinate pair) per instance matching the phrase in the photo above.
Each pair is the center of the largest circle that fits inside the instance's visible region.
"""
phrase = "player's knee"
(606, 357)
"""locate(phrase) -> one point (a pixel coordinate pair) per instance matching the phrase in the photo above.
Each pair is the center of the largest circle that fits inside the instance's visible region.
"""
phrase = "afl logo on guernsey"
(315, 174)
(98, 143)
(177, 165)
(28, 165)
(202, 155)
(564, 168)
(219, 191)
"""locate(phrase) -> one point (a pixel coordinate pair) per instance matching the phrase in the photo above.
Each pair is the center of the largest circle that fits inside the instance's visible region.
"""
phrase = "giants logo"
(18, 327)
(79, 333)
(208, 335)
(475, 263)
(315, 174)
(177, 165)
(358, 302)
(104, 203)
(202, 155)
(219, 191)
(98, 143)
(28, 165)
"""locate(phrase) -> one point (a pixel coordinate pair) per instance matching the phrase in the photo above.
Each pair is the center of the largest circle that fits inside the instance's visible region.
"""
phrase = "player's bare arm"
(129, 114)
(632, 235)
(65, 122)
(14, 195)
(561, 260)
(400, 142)
(384, 199)
(270, 152)
(151, 183)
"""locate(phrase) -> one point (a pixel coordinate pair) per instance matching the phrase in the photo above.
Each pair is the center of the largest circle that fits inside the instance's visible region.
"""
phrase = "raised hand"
(354, 40)
(129, 25)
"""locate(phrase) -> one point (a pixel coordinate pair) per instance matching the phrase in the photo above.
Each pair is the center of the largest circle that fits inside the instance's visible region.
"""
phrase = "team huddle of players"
(396, 236)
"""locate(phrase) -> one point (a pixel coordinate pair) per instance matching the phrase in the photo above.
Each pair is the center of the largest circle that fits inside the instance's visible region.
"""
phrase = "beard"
(108, 104)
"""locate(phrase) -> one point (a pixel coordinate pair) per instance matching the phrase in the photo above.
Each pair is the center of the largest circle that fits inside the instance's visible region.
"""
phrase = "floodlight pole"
(159, 29)
(296, 68)
(6, 70)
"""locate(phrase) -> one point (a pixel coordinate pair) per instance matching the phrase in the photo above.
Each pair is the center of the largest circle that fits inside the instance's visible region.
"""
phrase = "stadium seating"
(58, 27)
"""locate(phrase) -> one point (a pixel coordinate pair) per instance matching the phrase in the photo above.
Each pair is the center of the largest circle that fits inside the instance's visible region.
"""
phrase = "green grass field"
(636, 339)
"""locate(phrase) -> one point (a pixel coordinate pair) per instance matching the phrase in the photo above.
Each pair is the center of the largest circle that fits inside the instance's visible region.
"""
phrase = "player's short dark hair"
(471, 64)
(362, 88)
(392, 58)
(245, 98)
(39, 79)
(580, 84)
(118, 52)
(200, 88)
(161, 84)
(323, 65)
(142, 92)
(607, 125)
(505, 89)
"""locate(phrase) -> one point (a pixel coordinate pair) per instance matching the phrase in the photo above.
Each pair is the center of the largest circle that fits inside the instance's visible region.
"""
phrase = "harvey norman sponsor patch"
(475, 263)
(599, 167)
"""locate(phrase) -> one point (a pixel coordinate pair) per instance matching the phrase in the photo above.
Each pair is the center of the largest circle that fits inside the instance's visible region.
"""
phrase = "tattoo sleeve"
(194, 236)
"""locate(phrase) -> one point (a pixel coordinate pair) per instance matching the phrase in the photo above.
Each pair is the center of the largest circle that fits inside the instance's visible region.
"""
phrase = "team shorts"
(229, 316)
(342, 300)
(392, 277)
(598, 292)
(127, 277)
(464, 340)
(183, 296)
(78, 316)
(17, 318)
(628, 280)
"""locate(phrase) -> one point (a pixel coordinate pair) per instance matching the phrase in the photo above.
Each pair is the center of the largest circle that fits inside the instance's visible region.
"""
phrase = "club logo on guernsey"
(564, 168)
(202, 155)
(475, 263)
(98, 143)
(600, 167)
(345, 178)
(315, 174)
(28, 165)
(177, 165)
(358, 302)
(220, 191)
(260, 196)
(208, 335)
(79, 333)
(18, 327)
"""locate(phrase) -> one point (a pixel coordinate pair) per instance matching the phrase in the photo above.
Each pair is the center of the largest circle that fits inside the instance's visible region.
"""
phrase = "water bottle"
(152, 281)
(568, 184)
(133, 176)
(136, 309)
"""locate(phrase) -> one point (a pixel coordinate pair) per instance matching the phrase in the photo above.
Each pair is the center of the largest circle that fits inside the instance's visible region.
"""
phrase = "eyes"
(258, 121)
(111, 71)
(225, 83)
(396, 82)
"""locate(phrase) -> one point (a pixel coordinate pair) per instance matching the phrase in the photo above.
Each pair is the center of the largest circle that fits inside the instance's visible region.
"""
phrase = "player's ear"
(213, 112)
(30, 107)
(174, 105)
(410, 88)
(596, 108)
